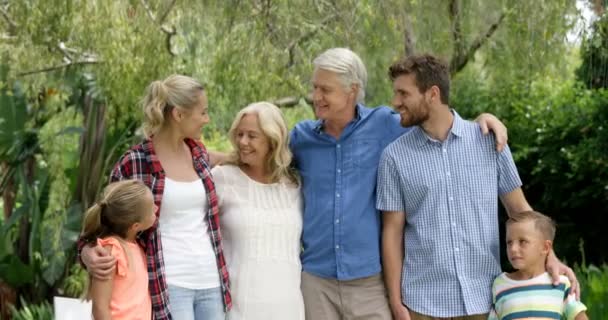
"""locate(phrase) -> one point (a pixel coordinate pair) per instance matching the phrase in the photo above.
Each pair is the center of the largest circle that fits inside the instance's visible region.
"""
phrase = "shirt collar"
(152, 158)
(457, 129)
(457, 125)
(360, 112)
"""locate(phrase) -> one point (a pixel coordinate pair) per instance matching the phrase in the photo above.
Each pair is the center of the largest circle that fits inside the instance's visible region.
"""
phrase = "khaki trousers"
(417, 316)
(359, 299)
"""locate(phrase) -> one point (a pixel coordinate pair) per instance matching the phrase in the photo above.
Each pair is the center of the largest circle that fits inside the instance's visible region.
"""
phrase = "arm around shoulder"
(217, 158)
(488, 122)
(515, 202)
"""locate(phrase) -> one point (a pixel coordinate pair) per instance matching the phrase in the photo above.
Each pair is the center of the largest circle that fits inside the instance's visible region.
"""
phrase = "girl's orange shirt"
(130, 295)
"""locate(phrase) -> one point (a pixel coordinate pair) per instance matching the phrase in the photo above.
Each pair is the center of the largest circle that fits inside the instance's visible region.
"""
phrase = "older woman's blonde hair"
(176, 91)
(273, 126)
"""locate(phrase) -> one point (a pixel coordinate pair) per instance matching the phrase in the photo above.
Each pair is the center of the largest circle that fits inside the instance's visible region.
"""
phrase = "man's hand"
(489, 122)
(399, 311)
(557, 268)
(99, 262)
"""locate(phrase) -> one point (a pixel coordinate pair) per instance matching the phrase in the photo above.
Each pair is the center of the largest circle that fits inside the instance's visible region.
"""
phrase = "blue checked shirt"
(341, 230)
(449, 191)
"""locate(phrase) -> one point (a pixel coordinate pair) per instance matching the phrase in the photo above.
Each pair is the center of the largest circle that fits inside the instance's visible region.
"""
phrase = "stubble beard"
(416, 116)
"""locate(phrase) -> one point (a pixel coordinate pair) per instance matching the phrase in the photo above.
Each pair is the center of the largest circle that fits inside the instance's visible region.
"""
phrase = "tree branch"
(169, 31)
(456, 27)
(305, 37)
(11, 24)
(162, 18)
(7, 37)
(144, 3)
(58, 67)
(289, 102)
(409, 39)
(459, 61)
(67, 52)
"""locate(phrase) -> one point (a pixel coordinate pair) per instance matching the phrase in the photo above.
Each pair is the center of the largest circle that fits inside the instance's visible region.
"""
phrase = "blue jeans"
(192, 304)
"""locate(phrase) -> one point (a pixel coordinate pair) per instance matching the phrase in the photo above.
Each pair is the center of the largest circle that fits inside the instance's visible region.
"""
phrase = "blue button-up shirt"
(341, 232)
(449, 191)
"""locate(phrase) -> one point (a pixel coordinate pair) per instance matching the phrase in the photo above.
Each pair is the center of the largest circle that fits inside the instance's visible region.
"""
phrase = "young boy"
(528, 293)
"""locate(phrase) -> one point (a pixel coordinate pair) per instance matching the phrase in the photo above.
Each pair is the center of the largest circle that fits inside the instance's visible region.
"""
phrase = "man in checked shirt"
(443, 178)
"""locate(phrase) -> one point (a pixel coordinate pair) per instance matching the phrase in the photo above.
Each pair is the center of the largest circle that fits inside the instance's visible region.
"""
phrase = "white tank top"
(187, 251)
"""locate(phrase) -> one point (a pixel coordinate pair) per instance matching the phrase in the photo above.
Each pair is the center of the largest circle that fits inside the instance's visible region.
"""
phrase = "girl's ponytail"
(91, 225)
(119, 208)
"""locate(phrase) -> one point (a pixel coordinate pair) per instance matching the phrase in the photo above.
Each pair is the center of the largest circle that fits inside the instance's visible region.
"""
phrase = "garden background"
(72, 73)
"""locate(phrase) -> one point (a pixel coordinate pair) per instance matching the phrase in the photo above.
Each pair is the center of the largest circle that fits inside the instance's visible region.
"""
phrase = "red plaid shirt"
(141, 162)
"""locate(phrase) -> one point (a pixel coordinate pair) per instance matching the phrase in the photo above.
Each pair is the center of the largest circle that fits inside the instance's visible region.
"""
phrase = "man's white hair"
(347, 65)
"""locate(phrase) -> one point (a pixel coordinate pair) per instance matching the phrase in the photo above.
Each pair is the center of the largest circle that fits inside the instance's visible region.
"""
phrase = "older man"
(338, 156)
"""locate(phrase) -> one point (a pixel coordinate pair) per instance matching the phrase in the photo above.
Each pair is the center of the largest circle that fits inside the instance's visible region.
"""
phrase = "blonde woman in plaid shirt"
(187, 267)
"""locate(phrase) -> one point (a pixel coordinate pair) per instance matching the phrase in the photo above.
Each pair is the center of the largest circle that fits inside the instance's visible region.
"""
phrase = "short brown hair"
(428, 71)
(542, 223)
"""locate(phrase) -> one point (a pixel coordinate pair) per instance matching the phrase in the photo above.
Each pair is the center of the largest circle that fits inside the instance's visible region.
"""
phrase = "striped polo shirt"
(535, 298)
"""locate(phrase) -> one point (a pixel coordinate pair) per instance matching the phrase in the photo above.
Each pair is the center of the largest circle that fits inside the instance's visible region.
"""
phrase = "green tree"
(81, 67)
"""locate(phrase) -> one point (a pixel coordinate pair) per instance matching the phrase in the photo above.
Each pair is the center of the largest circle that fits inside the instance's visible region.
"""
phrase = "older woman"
(261, 217)
(187, 266)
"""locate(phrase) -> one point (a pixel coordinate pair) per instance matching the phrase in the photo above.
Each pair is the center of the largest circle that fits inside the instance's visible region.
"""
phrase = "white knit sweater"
(261, 226)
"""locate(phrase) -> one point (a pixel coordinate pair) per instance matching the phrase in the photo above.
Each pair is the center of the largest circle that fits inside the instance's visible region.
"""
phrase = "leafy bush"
(559, 139)
(42, 311)
(594, 53)
(594, 289)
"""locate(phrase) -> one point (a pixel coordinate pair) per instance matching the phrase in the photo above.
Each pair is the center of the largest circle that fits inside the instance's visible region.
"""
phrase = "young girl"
(126, 208)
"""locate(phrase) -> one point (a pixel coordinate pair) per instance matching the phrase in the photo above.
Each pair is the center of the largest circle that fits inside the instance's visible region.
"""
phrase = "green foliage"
(557, 132)
(74, 284)
(42, 311)
(594, 288)
(594, 53)
(44, 172)
(15, 272)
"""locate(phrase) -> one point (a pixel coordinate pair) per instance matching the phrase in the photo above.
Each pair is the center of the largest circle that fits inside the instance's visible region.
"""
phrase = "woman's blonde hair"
(161, 96)
(273, 126)
(116, 211)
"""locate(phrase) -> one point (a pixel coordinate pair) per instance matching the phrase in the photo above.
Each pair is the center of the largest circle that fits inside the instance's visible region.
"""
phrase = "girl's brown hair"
(116, 211)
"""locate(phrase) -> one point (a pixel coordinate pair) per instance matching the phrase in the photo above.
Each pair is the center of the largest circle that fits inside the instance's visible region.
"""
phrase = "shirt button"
(338, 146)
(339, 170)
(453, 224)
(337, 195)
(337, 247)
(447, 173)
(445, 150)
(337, 221)
(456, 249)
(451, 198)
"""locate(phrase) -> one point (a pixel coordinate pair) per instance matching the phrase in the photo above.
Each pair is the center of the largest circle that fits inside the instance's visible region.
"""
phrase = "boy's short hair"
(542, 223)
